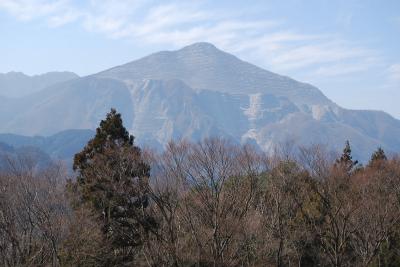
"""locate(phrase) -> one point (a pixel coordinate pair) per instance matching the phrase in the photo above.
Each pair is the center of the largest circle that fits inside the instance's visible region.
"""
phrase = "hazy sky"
(349, 49)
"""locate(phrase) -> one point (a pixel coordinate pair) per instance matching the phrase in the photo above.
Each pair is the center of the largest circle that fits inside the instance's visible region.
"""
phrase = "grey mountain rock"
(196, 92)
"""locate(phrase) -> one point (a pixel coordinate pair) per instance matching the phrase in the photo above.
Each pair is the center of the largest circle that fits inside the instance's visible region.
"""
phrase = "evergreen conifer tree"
(346, 159)
(113, 180)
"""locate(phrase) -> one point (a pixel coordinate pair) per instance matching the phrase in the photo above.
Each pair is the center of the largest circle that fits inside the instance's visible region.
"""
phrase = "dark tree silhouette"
(113, 180)
(346, 159)
(377, 157)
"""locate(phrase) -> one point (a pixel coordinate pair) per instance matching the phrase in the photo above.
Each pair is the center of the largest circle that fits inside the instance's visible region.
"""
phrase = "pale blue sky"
(349, 49)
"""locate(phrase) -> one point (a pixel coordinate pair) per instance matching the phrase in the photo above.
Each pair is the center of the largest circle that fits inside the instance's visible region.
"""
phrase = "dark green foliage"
(110, 133)
(113, 181)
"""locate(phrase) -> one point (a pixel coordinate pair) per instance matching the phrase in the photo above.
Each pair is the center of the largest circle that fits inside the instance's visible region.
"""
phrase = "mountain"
(60, 146)
(204, 67)
(77, 104)
(196, 92)
(17, 84)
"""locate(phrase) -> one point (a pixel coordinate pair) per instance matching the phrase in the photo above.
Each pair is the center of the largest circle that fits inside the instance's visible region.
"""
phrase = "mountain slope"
(165, 110)
(17, 84)
(196, 92)
(203, 66)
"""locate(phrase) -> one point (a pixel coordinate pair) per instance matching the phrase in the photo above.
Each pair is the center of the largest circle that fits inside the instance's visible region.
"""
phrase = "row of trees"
(211, 203)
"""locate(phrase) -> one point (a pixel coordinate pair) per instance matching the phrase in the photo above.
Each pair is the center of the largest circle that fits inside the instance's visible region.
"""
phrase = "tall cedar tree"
(111, 131)
(113, 180)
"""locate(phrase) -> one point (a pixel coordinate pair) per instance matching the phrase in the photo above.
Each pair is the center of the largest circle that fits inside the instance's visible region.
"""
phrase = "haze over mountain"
(17, 84)
(196, 92)
(62, 145)
(22, 156)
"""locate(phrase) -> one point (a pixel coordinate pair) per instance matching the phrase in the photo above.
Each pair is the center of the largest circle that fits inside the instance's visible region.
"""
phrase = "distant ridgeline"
(22, 157)
(43, 150)
(17, 84)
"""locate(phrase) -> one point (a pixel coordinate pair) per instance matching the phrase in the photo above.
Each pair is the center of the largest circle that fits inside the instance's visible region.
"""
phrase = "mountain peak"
(17, 84)
(200, 46)
(204, 66)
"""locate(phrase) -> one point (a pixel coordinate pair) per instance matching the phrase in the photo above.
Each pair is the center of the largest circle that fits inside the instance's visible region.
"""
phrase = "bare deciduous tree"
(33, 214)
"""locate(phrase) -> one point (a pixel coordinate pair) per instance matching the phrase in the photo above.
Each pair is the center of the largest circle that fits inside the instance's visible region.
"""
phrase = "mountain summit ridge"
(204, 66)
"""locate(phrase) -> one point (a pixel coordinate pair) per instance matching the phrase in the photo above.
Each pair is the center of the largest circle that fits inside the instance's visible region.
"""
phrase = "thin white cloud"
(341, 69)
(321, 52)
(110, 16)
(29, 9)
(180, 23)
(68, 16)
